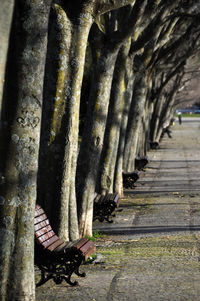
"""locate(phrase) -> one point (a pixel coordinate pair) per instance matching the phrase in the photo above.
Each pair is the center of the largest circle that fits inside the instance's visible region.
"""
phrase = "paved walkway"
(152, 249)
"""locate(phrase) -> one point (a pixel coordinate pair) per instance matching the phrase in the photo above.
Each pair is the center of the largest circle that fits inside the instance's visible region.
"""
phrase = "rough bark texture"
(156, 117)
(135, 118)
(18, 193)
(92, 140)
(64, 123)
(143, 137)
(77, 59)
(118, 181)
(112, 133)
(51, 148)
(6, 14)
(62, 146)
(88, 163)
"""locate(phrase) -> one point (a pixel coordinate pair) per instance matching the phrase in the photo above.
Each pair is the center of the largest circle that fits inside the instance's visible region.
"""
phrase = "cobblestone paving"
(152, 249)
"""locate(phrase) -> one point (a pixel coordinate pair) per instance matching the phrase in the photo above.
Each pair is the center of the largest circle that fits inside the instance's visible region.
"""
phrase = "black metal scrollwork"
(59, 268)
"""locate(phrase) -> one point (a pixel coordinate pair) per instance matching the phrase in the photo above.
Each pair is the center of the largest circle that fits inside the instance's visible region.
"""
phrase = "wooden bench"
(154, 145)
(140, 163)
(55, 258)
(104, 206)
(129, 179)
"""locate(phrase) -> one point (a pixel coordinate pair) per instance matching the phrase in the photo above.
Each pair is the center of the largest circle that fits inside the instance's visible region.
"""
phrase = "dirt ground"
(152, 249)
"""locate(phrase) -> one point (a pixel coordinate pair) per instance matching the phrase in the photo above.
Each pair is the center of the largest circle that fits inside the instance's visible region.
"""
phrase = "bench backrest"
(109, 197)
(44, 234)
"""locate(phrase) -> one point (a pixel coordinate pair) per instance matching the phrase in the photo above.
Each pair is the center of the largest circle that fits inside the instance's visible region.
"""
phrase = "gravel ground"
(152, 249)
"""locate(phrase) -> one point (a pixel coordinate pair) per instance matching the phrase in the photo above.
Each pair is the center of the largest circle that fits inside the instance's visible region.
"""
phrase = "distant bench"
(55, 258)
(129, 179)
(104, 206)
(154, 145)
(141, 162)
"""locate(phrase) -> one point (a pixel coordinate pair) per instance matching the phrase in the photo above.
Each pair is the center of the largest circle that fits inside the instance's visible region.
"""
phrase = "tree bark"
(92, 140)
(135, 117)
(118, 180)
(6, 15)
(62, 135)
(18, 193)
(68, 195)
(112, 132)
(90, 151)
(65, 118)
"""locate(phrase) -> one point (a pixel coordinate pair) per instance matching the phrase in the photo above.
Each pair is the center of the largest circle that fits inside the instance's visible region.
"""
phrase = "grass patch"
(91, 259)
(176, 246)
(189, 115)
(96, 234)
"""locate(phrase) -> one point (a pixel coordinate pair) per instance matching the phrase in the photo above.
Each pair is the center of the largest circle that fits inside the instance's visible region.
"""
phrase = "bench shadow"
(146, 229)
(122, 206)
(150, 193)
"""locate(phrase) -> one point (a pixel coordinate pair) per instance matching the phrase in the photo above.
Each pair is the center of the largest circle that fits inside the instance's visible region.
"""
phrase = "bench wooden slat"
(43, 230)
(56, 245)
(40, 218)
(90, 251)
(46, 236)
(50, 241)
(106, 198)
(87, 249)
(37, 206)
(41, 225)
(78, 244)
(115, 198)
(101, 199)
(39, 212)
(97, 197)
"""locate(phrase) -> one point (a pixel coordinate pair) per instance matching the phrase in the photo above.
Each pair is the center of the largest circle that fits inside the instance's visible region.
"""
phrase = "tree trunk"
(111, 141)
(118, 180)
(74, 22)
(156, 117)
(168, 107)
(134, 123)
(77, 59)
(51, 148)
(18, 194)
(88, 163)
(6, 15)
(142, 141)
(92, 140)
(62, 144)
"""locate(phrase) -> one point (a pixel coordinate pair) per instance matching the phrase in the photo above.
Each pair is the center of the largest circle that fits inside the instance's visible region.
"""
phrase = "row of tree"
(87, 86)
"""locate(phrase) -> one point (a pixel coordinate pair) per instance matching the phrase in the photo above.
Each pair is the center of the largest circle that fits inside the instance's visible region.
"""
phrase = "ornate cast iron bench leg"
(44, 277)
